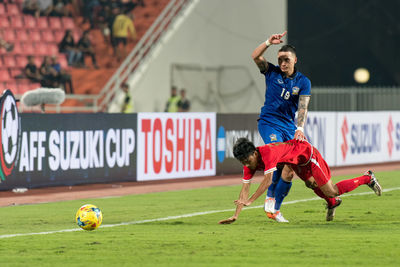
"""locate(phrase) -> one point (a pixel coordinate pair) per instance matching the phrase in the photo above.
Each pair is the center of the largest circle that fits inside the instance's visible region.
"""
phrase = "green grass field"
(365, 232)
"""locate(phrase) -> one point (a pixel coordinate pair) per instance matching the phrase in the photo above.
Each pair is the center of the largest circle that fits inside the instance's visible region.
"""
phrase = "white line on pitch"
(184, 215)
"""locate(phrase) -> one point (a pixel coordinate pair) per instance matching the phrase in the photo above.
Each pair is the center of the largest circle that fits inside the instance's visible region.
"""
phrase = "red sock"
(351, 184)
(331, 201)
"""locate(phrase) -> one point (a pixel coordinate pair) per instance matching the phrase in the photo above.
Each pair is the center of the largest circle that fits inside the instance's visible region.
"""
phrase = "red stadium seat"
(55, 23)
(16, 72)
(21, 61)
(4, 22)
(5, 75)
(58, 35)
(68, 23)
(42, 23)
(48, 36)
(12, 9)
(63, 62)
(22, 35)
(13, 86)
(2, 9)
(9, 35)
(30, 22)
(27, 49)
(9, 61)
(16, 22)
(41, 49)
(38, 61)
(52, 49)
(35, 36)
(18, 49)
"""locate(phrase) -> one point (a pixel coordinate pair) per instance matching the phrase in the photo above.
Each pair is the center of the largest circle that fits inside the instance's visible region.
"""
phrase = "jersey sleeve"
(306, 87)
(269, 158)
(247, 174)
(271, 68)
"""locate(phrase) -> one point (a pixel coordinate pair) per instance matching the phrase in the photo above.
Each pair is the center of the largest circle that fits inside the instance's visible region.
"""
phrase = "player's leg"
(368, 178)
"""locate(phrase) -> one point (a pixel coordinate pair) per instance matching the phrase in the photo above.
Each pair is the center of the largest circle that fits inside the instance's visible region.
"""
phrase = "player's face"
(286, 61)
(251, 161)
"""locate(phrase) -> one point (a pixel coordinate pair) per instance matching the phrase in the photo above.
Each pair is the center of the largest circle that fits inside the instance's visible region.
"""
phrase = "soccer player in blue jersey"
(287, 91)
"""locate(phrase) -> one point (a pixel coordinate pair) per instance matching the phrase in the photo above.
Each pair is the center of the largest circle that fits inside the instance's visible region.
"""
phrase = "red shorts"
(317, 168)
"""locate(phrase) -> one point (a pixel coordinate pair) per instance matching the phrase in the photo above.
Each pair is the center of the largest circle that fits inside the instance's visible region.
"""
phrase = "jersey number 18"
(285, 95)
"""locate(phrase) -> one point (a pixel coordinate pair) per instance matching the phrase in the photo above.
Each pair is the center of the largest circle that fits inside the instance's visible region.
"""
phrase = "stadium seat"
(29, 21)
(68, 23)
(21, 35)
(12, 86)
(9, 61)
(27, 49)
(48, 36)
(55, 23)
(16, 22)
(16, 72)
(38, 61)
(5, 75)
(42, 23)
(9, 35)
(35, 36)
(58, 35)
(2, 9)
(63, 61)
(13, 10)
(52, 49)
(17, 49)
(4, 22)
(41, 49)
(21, 61)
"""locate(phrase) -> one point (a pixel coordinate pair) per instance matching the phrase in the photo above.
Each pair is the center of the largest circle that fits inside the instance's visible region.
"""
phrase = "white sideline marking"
(185, 215)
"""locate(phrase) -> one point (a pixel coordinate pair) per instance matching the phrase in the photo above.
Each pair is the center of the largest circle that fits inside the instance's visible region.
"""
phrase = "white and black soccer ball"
(9, 129)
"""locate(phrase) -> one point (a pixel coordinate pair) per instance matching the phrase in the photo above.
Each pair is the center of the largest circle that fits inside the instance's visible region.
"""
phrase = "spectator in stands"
(127, 106)
(63, 77)
(61, 8)
(183, 103)
(122, 28)
(172, 103)
(86, 48)
(7, 46)
(68, 47)
(45, 7)
(123, 101)
(49, 74)
(32, 71)
(31, 7)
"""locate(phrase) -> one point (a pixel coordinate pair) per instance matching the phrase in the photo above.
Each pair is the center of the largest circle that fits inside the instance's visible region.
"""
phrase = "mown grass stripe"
(184, 215)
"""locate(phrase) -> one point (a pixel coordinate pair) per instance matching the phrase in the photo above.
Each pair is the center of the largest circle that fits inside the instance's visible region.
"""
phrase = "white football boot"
(277, 216)
(373, 184)
(269, 206)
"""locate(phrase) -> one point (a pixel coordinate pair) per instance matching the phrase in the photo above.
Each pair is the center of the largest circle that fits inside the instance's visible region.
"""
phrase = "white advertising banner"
(320, 132)
(367, 137)
(176, 145)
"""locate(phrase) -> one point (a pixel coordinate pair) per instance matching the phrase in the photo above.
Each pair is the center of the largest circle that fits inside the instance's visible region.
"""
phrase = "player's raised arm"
(257, 54)
(302, 117)
(243, 196)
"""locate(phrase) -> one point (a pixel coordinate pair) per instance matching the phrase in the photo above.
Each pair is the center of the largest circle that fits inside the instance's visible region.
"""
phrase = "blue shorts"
(271, 133)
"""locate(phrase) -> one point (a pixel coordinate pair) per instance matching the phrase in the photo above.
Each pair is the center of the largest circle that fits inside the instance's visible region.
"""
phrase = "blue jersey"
(282, 97)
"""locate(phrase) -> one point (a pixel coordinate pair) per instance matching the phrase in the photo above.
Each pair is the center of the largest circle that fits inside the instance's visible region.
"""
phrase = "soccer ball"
(89, 217)
(9, 130)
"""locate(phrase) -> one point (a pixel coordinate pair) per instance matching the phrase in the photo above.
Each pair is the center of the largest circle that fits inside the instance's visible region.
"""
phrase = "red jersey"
(291, 152)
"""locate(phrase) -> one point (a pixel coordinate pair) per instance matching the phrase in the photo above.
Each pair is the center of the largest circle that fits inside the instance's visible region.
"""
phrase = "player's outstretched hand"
(276, 38)
(228, 221)
(243, 202)
(299, 136)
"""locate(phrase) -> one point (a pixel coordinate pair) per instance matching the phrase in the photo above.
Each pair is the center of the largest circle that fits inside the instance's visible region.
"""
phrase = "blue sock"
(275, 179)
(281, 190)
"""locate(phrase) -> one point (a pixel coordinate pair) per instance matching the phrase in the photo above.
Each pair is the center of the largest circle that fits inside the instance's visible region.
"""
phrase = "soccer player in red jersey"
(304, 159)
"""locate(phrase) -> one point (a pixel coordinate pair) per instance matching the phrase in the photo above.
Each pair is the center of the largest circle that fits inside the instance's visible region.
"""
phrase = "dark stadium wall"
(334, 38)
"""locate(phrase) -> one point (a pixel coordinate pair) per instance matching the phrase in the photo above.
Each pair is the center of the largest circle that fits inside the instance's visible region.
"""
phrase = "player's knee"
(331, 193)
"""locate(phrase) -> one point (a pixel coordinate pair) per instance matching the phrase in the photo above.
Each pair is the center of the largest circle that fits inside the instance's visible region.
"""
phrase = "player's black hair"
(288, 48)
(243, 148)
